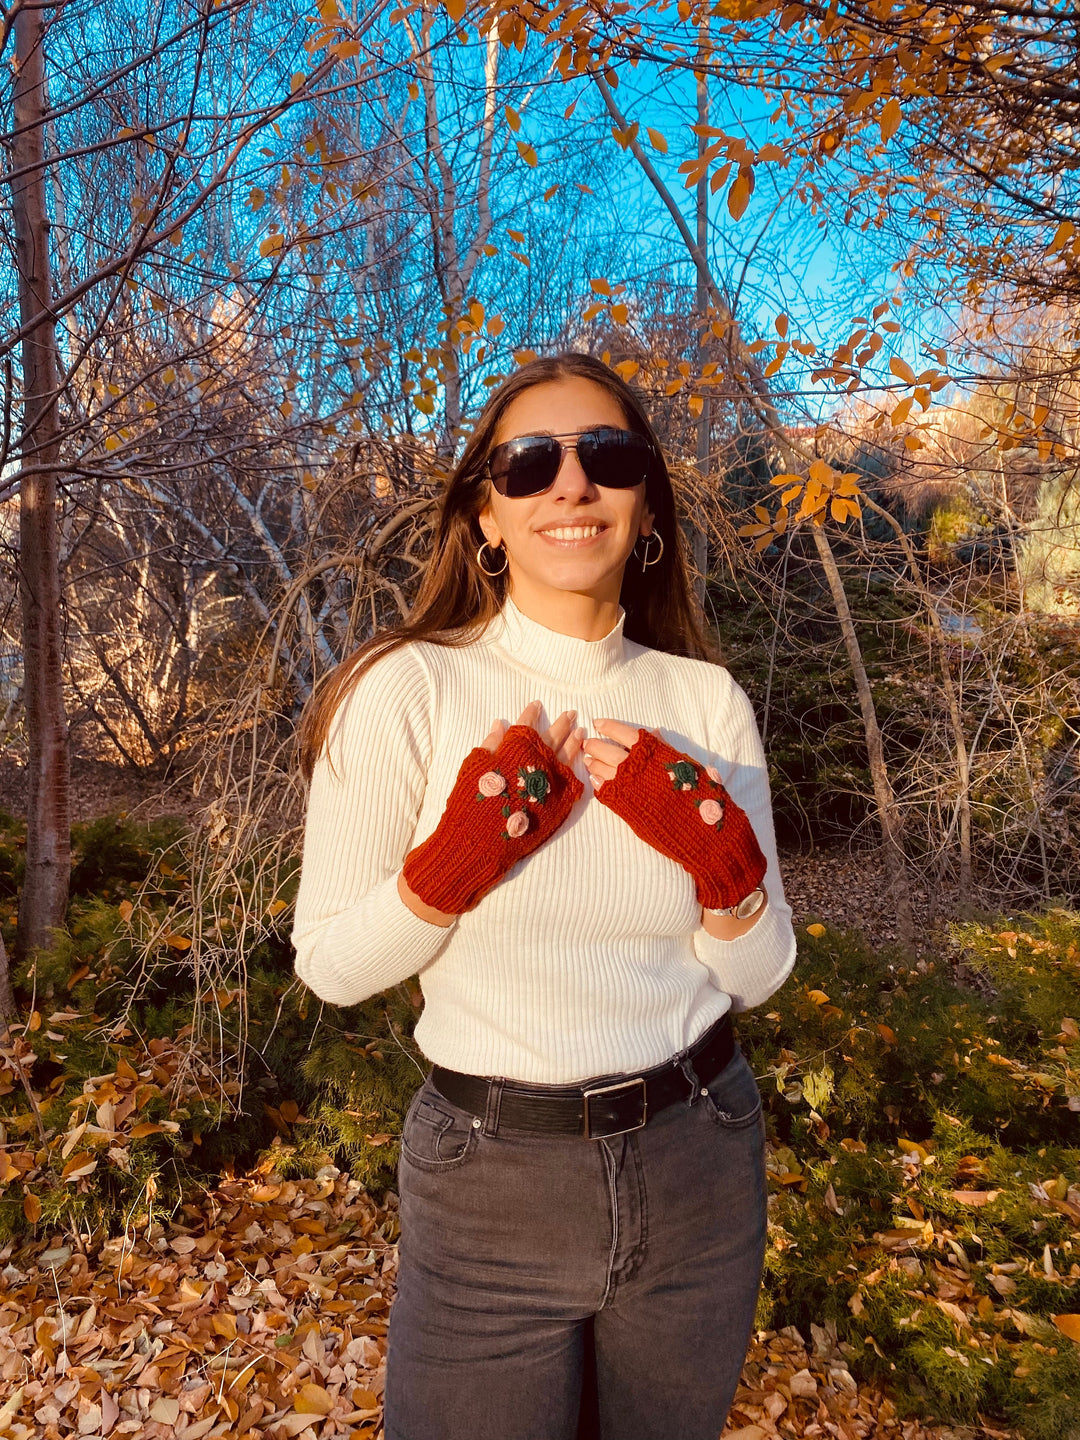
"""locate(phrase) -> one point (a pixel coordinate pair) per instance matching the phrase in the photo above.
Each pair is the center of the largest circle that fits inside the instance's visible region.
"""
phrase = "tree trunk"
(895, 862)
(43, 901)
(8, 1013)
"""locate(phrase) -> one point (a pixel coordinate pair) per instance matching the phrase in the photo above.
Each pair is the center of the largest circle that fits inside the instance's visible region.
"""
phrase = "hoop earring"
(644, 555)
(491, 574)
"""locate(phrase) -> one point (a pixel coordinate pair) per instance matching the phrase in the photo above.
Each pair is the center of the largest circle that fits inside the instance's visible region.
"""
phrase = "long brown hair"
(457, 599)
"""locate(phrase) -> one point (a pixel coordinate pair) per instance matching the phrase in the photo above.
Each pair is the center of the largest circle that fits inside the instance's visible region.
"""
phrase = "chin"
(567, 582)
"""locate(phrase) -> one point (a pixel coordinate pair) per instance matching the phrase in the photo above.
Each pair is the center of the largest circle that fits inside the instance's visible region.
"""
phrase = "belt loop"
(686, 1065)
(494, 1105)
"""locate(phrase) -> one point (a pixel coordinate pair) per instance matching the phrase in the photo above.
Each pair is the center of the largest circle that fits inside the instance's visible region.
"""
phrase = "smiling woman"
(567, 545)
(587, 900)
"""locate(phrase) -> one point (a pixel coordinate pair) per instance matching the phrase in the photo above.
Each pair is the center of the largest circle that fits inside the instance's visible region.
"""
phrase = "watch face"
(750, 905)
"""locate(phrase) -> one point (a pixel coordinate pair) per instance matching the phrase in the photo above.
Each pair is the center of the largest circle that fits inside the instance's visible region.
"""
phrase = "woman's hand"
(681, 808)
(562, 738)
(512, 793)
(603, 757)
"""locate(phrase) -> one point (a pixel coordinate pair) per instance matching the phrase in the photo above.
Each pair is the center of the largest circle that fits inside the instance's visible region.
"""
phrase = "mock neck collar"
(560, 657)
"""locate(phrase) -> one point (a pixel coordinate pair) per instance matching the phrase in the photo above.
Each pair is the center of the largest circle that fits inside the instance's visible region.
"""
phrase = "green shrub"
(925, 1167)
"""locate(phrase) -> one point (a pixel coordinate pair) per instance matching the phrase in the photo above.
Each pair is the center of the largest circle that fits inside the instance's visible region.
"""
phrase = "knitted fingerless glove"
(503, 807)
(682, 809)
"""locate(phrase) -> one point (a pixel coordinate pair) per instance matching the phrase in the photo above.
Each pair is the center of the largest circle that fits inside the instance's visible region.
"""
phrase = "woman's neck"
(585, 617)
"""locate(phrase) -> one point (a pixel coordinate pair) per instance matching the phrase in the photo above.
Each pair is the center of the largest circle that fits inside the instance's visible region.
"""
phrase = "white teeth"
(566, 532)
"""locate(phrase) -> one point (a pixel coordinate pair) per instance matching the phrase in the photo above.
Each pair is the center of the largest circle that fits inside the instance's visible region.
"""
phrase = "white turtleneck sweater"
(588, 958)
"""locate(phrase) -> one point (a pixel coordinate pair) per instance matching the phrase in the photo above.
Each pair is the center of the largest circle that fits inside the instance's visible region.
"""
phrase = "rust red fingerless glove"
(682, 809)
(503, 807)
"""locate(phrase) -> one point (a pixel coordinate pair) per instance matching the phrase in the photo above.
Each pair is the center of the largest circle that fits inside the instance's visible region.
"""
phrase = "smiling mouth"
(572, 534)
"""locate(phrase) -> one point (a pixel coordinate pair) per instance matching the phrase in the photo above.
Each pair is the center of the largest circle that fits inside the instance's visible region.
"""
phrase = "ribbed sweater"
(588, 958)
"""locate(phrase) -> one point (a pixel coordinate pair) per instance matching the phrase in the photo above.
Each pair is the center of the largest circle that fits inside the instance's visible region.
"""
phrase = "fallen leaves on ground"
(262, 1312)
(791, 1387)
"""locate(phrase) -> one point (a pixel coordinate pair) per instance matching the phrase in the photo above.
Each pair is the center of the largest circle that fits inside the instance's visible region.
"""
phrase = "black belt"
(593, 1109)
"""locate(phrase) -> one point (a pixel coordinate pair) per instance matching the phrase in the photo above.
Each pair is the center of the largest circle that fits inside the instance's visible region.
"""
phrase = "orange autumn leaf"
(147, 1127)
(742, 187)
(312, 1399)
(891, 116)
(79, 1166)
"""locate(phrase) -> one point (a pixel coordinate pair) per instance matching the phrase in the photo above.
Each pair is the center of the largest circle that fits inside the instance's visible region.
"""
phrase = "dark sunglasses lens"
(525, 466)
(617, 459)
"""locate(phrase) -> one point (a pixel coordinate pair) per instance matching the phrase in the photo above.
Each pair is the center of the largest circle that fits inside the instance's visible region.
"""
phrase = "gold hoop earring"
(491, 574)
(644, 555)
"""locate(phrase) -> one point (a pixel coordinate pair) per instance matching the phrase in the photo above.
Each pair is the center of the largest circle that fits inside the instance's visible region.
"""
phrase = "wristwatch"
(747, 907)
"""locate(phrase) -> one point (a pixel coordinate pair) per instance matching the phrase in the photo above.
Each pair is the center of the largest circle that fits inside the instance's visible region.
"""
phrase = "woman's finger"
(560, 731)
(571, 747)
(493, 739)
(600, 770)
(605, 751)
(619, 731)
(530, 714)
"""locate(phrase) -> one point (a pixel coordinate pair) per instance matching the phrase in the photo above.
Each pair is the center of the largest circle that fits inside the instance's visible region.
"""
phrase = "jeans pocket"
(732, 1098)
(437, 1136)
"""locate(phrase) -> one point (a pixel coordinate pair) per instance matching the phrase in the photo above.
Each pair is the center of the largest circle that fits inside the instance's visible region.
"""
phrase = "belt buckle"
(590, 1134)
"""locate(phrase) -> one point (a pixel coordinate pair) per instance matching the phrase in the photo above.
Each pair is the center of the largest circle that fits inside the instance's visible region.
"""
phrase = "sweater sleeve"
(353, 935)
(750, 968)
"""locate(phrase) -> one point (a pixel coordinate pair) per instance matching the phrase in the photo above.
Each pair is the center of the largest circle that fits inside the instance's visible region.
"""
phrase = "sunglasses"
(528, 465)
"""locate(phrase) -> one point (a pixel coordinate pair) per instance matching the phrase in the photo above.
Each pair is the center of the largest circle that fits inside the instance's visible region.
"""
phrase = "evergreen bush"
(925, 1169)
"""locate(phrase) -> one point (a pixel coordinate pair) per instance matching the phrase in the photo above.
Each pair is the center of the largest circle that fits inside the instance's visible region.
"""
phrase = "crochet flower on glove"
(682, 809)
(503, 807)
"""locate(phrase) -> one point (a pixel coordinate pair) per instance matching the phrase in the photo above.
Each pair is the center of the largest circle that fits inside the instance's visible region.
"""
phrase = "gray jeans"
(553, 1287)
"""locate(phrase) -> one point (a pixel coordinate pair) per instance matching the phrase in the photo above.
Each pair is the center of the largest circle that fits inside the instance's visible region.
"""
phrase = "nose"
(571, 482)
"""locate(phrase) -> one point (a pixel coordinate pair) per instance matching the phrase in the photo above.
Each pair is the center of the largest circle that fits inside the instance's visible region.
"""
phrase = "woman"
(582, 1174)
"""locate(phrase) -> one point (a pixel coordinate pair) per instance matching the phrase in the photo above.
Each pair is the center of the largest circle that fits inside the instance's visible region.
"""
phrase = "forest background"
(263, 263)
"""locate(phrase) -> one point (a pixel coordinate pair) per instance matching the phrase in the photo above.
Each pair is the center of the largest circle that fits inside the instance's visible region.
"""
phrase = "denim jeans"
(530, 1262)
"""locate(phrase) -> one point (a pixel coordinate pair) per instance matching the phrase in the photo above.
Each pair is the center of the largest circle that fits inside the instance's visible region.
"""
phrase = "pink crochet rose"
(713, 774)
(517, 824)
(711, 812)
(492, 783)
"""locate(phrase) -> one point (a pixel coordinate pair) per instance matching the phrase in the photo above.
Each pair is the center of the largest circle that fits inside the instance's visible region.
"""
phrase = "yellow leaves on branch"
(767, 528)
(742, 187)
(891, 116)
(822, 492)
(617, 309)
(527, 153)
(1064, 233)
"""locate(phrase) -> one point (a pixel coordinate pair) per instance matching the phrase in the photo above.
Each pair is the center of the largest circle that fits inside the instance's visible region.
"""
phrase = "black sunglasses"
(528, 465)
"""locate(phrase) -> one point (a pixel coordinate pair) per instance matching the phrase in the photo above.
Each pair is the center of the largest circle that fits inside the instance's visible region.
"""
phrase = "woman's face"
(577, 535)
